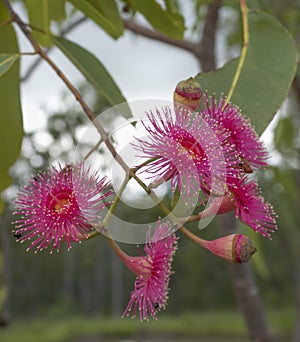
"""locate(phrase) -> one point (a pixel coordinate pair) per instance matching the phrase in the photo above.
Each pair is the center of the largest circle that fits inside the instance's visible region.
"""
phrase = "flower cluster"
(205, 148)
(214, 143)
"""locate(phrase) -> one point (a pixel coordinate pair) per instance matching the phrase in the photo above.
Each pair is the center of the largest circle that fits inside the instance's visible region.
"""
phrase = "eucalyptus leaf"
(11, 130)
(105, 14)
(267, 74)
(167, 22)
(57, 11)
(7, 60)
(110, 10)
(38, 13)
(172, 6)
(41, 13)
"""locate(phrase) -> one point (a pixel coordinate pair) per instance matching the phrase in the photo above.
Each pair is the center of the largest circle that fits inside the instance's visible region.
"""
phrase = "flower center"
(60, 202)
(193, 148)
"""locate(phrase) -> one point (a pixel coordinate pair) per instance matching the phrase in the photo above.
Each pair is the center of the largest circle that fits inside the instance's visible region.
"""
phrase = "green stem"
(110, 212)
(152, 195)
(6, 22)
(244, 11)
(116, 248)
(193, 237)
(130, 173)
(27, 53)
(92, 150)
(116, 202)
(145, 163)
(173, 218)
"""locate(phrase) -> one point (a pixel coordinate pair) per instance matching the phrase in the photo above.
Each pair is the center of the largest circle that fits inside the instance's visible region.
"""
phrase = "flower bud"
(188, 93)
(236, 248)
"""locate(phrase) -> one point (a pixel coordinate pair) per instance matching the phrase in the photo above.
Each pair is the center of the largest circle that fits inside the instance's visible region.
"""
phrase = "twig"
(145, 32)
(111, 210)
(130, 173)
(33, 53)
(69, 85)
(92, 150)
(166, 210)
(244, 10)
(202, 50)
(37, 62)
(148, 161)
(5, 22)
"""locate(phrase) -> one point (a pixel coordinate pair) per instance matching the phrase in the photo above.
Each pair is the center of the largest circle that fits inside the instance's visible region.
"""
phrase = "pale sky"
(142, 68)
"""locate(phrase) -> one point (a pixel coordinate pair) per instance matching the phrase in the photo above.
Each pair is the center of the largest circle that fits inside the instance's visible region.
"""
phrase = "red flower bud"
(188, 93)
(236, 248)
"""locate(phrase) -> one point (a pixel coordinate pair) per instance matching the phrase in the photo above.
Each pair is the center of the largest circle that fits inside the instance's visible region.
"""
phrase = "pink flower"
(241, 134)
(244, 197)
(60, 205)
(194, 153)
(153, 272)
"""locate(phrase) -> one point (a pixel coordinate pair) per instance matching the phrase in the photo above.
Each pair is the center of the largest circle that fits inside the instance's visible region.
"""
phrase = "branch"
(145, 32)
(206, 49)
(203, 50)
(6, 22)
(69, 85)
(130, 173)
(37, 62)
(92, 150)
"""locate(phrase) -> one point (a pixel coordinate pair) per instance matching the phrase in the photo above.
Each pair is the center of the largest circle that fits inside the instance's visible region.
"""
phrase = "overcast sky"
(142, 68)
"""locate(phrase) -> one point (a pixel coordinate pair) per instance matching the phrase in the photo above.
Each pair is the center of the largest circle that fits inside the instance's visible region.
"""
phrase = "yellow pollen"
(190, 151)
(61, 204)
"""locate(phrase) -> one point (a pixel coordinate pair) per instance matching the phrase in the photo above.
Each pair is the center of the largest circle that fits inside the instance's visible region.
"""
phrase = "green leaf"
(167, 22)
(57, 11)
(110, 10)
(172, 6)
(7, 60)
(11, 130)
(38, 13)
(267, 74)
(104, 13)
(93, 70)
